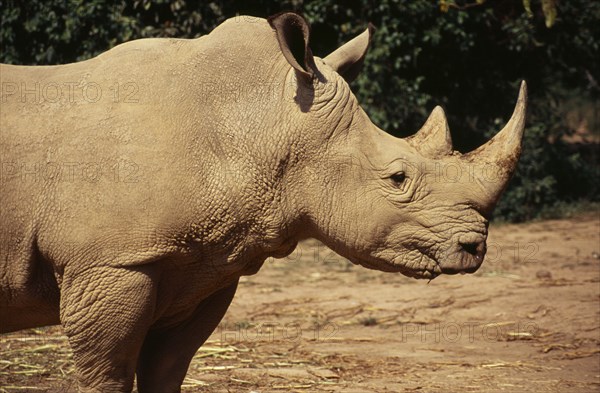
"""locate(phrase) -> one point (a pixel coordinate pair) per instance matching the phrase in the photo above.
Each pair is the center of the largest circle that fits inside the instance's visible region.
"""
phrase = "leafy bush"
(466, 56)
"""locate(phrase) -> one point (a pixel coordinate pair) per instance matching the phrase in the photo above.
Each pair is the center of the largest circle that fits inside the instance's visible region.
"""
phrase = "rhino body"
(138, 186)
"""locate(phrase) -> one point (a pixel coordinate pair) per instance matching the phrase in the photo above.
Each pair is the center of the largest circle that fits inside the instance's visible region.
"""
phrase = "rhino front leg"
(106, 313)
(166, 354)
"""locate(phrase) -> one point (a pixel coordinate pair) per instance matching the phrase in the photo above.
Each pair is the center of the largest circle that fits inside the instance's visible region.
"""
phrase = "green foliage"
(468, 56)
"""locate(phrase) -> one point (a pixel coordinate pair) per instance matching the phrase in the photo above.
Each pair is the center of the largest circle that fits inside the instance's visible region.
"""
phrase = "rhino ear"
(348, 59)
(293, 34)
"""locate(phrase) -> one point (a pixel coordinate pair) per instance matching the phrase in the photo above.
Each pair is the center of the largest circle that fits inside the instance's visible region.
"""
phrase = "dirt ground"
(527, 321)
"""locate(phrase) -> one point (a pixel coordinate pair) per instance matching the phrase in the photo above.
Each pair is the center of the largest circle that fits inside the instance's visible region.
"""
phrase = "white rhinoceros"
(138, 186)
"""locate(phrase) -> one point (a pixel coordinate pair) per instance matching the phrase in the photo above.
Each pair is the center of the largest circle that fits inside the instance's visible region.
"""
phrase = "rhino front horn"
(496, 161)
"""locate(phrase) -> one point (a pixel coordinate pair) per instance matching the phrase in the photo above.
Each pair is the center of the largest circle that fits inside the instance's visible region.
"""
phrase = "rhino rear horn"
(293, 35)
(433, 139)
(348, 59)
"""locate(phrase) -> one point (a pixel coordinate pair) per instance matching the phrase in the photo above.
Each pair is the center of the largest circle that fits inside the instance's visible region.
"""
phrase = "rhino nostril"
(471, 248)
(476, 249)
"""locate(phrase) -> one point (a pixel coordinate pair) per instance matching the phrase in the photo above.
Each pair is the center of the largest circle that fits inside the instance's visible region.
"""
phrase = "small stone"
(543, 275)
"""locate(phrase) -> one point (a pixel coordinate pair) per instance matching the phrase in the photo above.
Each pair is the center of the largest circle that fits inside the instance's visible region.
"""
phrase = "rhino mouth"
(465, 259)
(428, 270)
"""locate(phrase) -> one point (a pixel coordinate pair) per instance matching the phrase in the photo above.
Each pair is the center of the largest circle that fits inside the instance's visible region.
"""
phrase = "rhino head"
(411, 205)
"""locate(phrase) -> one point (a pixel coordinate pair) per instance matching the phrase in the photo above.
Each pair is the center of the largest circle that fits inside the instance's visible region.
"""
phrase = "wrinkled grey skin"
(129, 216)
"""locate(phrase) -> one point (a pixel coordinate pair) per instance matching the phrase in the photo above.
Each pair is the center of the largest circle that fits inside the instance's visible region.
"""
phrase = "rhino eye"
(398, 178)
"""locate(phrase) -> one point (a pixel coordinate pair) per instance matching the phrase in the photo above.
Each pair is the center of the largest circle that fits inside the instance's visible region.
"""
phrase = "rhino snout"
(468, 258)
